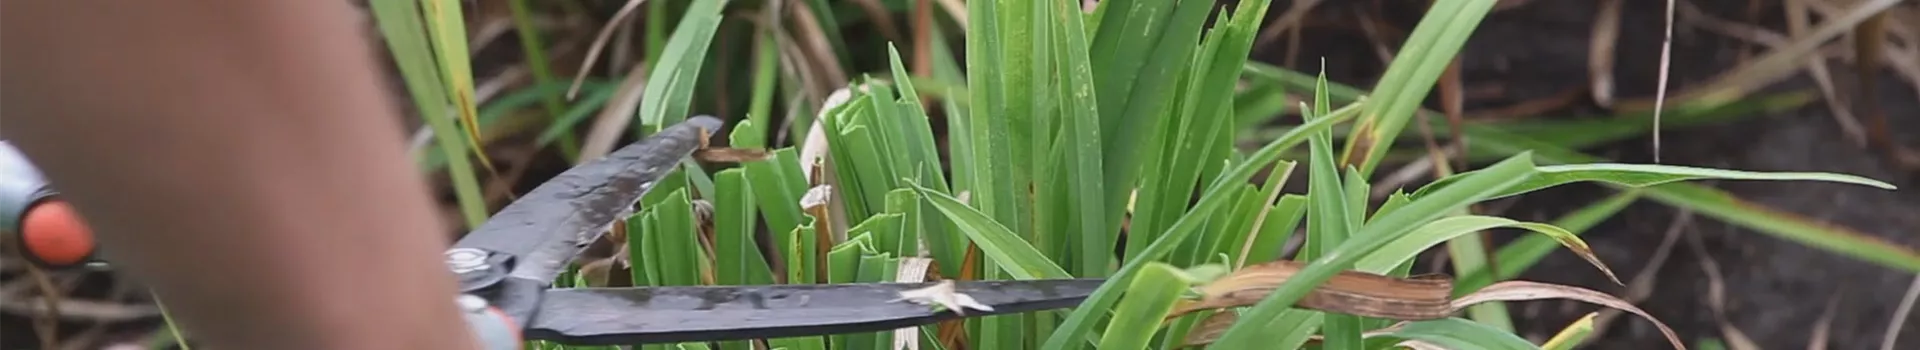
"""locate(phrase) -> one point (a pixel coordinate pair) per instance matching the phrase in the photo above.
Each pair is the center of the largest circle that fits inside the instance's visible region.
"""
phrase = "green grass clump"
(1069, 128)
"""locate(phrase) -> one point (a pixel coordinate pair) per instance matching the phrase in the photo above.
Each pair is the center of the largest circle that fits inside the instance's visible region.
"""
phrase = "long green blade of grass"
(1149, 298)
(406, 36)
(1723, 206)
(1084, 191)
(1645, 175)
(1415, 67)
(991, 174)
(673, 77)
(535, 48)
(1328, 220)
(1433, 233)
(1522, 253)
(1001, 245)
(447, 31)
(1194, 134)
(1139, 49)
(737, 259)
(924, 163)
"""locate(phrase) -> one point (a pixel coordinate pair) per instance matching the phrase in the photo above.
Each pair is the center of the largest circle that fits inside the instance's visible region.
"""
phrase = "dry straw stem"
(1606, 34)
(1900, 315)
(1823, 329)
(1815, 66)
(615, 116)
(1417, 298)
(600, 42)
(1797, 22)
(1660, 91)
(1287, 20)
(1644, 282)
(1717, 297)
(1775, 65)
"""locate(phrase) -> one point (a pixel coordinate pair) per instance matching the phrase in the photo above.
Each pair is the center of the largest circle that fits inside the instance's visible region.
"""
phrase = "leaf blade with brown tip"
(1433, 233)
(1525, 290)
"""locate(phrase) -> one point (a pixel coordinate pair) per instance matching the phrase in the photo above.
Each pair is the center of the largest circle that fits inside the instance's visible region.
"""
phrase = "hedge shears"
(506, 267)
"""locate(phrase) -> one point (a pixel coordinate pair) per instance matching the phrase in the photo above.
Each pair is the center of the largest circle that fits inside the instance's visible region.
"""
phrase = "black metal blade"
(613, 316)
(548, 226)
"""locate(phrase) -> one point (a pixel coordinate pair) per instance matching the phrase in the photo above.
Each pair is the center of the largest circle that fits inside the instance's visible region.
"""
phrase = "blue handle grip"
(21, 184)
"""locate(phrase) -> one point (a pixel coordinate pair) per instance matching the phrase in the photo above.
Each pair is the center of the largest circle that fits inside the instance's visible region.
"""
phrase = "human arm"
(241, 158)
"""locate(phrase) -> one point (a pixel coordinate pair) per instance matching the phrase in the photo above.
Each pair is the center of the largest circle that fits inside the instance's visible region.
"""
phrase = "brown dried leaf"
(1525, 290)
(598, 272)
(1423, 297)
(1210, 328)
(730, 155)
(1358, 293)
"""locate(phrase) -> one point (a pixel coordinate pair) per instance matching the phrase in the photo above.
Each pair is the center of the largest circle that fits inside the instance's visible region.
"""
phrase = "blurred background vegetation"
(1771, 85)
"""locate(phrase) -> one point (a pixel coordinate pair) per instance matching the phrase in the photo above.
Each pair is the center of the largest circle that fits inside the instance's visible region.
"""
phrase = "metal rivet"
(471, 303)
(464, 260)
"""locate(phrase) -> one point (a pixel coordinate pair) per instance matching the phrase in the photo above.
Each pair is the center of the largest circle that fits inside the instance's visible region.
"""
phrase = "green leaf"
(401, 25)
(1422, 57)
(596, 96)
(995, 191)
(1647, 175)
(535, 49)
(1148, 300)
(1080, 137)
(1406, 248)
(1279, 226)
(778, 184)
(1461, 334)
(803, 265)
(760, 108)
(737, 258)
(672, 242)
(1516, 257)
(1328, 222)
(1139, 49)
(1725, 207)
(447, 31)
(672, 78)
(1573, 335)
(1000, 245)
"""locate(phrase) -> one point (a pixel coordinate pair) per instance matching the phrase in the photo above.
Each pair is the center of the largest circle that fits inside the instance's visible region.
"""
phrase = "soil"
(1776, 291)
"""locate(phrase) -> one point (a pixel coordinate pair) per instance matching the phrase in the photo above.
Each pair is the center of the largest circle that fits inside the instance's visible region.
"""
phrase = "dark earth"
(1776, 291)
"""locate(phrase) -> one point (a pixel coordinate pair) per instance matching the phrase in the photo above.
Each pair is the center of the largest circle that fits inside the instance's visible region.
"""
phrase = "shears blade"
(652, 315)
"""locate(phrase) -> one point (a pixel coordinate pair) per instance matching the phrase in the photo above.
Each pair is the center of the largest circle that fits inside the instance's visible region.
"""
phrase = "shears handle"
(33, 217)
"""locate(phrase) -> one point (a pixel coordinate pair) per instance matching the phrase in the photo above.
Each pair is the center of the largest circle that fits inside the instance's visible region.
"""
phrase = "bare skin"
(241, 158)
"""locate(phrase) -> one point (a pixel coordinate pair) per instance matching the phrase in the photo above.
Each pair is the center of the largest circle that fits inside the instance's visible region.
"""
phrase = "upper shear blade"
(548, 226)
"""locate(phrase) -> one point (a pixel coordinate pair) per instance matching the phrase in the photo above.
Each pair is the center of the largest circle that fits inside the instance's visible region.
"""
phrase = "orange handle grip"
(52, 234)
